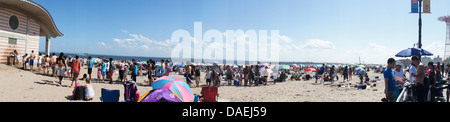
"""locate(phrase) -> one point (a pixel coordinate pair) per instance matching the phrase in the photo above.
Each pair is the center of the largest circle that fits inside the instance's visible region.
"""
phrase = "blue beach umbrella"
(413, 52)
(360, 70)
(181, 65)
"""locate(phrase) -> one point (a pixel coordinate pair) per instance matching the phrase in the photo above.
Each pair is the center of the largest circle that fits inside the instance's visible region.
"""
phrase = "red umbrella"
(310, 69)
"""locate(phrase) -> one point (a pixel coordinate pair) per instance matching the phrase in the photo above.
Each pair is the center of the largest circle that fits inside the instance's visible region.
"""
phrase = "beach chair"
(209, 94)
(110, 95)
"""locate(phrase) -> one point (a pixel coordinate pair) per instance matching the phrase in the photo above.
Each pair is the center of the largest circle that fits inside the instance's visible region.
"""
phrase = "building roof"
(35, 12)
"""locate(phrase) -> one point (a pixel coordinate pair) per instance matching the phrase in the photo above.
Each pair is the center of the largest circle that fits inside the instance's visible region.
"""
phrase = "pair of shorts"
(31, 62)
(197, 78)
(76, 72)
(111, 73)
(208, 80)
(62, 71)
(391, 96)
(188, 80)
(103, 73)
(89, 70)
(217, 82)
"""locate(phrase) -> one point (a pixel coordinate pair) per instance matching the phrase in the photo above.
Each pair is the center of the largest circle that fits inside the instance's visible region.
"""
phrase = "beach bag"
(326, 78)
(79, 92)
(130, 91)
(236, 82)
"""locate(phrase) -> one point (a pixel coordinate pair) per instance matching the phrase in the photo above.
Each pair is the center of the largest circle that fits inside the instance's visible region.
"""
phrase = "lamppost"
(420, 26)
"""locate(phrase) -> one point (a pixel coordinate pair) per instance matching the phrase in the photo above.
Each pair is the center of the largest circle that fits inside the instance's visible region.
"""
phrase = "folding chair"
(110, 95)
(209, 94)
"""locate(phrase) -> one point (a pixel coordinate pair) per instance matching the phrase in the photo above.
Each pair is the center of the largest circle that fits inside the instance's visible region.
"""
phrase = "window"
(13, 22)
(12, 41)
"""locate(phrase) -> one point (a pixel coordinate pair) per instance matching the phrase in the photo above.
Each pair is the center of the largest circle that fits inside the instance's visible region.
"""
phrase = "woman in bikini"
(75, 69)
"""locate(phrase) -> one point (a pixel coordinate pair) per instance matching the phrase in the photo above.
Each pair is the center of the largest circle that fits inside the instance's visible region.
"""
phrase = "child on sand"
(99, 73)
(89, 91)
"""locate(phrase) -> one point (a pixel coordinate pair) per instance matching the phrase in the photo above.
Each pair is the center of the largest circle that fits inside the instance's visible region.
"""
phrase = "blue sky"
(314, 30)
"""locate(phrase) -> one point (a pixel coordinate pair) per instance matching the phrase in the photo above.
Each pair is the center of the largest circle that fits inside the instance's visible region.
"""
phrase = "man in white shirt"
(265, 73)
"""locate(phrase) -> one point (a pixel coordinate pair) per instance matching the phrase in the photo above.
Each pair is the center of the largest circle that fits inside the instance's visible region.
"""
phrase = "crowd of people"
(424, 80)
(232, 75)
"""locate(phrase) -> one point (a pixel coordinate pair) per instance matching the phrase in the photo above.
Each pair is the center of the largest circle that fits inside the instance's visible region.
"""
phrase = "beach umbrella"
(188, 63)
(211, 63)
(159, 95)
(310, 69)
(181, 65)
(283, 67)
(360, 70)
(362, 66)
(178, 87)
(413, 52)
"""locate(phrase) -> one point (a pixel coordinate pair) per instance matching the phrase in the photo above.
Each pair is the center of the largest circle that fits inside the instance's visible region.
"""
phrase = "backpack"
(197, 72)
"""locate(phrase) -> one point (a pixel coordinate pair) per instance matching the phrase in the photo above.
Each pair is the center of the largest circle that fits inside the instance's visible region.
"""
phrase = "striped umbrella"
(178, 87)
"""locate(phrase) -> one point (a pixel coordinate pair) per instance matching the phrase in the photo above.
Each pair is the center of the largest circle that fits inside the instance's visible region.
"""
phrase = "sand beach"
(18, 85)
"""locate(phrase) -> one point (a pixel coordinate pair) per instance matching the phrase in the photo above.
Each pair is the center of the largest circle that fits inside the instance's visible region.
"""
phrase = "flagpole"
(420, 25)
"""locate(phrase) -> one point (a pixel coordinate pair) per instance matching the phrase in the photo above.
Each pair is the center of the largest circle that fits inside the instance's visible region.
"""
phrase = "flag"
(414, 6)
(426, 6)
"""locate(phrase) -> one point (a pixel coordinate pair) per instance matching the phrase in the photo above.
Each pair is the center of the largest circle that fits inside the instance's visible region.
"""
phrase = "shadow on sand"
(53, 83)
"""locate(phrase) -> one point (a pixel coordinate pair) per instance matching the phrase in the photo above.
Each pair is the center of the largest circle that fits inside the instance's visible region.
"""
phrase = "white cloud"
(318, 44)
(372, 53)
(103, 44)
(285, 39)
(138, 39)
(126, 43)
(144, 46)
(437, 48)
